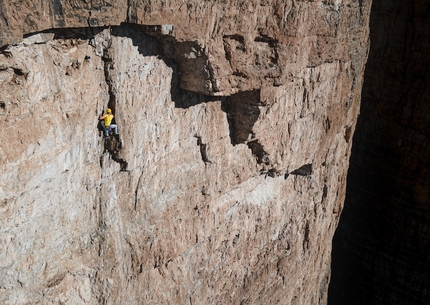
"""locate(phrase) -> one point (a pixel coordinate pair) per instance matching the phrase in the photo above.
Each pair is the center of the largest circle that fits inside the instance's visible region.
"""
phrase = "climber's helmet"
(109, 110)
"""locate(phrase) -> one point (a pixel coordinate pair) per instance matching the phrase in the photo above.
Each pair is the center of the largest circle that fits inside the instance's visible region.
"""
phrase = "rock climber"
(107, 123)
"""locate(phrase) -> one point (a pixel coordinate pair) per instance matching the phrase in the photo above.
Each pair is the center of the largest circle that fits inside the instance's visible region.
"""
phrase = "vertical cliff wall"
(227, 180)
(381, 248)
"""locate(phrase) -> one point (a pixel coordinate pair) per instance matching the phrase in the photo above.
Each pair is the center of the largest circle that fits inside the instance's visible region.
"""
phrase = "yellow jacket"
(108, 119)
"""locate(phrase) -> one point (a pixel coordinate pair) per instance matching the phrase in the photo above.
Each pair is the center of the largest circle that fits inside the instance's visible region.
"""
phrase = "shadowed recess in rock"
(258, 151)
(203, 149)
(70, 33)
(242, 112)
(305, 170)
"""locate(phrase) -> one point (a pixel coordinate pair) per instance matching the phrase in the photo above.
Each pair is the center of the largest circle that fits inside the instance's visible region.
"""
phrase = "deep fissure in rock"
(112, 143)
(203, 149)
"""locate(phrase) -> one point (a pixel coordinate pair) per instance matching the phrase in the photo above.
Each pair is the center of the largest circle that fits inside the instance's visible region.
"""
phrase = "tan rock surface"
(226, 183)
(18, 18)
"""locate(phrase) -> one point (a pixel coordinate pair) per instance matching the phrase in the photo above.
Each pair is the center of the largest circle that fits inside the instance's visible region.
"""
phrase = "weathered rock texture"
(382, 247)
(228, 177)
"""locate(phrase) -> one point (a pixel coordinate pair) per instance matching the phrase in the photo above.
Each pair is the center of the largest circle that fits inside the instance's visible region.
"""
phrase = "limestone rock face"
(227, 179)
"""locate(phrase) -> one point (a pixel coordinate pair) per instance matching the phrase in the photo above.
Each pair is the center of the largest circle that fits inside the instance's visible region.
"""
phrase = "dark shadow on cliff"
(242, 112)
(381, 249)
(70, 33)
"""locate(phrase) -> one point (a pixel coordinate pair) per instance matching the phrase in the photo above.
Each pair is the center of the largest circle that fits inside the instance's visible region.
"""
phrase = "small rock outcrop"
(227, 180)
